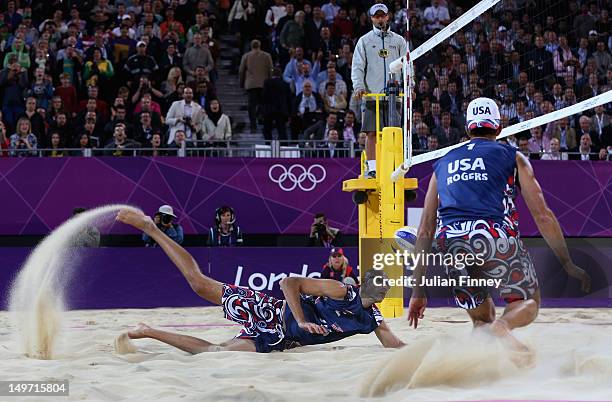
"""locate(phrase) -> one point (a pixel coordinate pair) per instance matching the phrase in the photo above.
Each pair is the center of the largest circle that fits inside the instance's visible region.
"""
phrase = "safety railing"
(248, 149)
(263, 149)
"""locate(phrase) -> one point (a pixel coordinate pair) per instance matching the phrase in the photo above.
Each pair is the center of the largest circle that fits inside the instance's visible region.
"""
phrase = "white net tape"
(526, 125)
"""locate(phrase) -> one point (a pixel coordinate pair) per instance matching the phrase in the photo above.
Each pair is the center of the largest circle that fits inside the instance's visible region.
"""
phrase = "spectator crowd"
(127, 74)
(113, 75)
(532, 57)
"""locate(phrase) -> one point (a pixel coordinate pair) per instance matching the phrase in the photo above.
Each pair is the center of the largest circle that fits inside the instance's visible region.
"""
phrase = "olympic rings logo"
(289, 179)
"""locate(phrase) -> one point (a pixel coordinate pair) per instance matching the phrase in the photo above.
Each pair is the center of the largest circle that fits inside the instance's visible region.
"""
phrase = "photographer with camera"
(321, 234)
(225, 232)
(185, 115)
(164, 221)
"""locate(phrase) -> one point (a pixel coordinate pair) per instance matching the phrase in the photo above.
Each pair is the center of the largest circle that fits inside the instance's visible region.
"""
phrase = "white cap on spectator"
(378, 7)
(593, 32)
(166, 210)
(141, 43)
(126, 17)
(502, 28)
(482, 112)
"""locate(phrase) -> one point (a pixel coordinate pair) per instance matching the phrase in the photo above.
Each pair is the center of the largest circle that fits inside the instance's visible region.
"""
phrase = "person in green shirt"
(98, 71)
(18, 48)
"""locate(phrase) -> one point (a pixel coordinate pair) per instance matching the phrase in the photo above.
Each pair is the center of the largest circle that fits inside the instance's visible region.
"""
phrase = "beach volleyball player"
(467, 194)
(314, 311)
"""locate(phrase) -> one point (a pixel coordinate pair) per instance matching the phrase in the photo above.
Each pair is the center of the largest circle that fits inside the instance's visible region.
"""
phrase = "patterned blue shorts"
(504, 255)
(259, 314)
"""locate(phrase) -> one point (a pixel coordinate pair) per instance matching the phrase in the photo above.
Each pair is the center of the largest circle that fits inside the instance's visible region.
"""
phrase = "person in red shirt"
(338, 268)
(4, 142)
(101, 106)
(170, 24)
(342, 26)
(68, 93)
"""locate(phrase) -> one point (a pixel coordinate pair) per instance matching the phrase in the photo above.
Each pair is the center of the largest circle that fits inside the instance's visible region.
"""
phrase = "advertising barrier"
(145, 277)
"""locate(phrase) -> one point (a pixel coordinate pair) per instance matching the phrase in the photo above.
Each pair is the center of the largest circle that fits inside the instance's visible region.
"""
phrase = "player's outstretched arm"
(293, 287)
(546, 221)
(386, 337)
(425, 235)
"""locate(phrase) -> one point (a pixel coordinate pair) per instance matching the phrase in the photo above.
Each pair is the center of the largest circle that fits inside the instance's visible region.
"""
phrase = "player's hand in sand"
(140, 332)
(136, 219)
(313, 328)
(576, 272)
(416, 310)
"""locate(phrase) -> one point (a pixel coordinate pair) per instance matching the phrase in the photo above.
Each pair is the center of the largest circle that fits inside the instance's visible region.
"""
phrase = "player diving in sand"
(314, 311)
(467, 194)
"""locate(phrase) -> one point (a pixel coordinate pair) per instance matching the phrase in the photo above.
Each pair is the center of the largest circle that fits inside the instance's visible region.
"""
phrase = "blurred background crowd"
(220, 77)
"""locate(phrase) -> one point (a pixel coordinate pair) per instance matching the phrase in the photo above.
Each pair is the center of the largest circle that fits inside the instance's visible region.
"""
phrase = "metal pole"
(408, 79)
(408, 72)
(392, 94)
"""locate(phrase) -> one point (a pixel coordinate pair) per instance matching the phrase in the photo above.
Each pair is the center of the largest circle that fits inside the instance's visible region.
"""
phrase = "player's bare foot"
(520, 354)
(142, 331)
(135, 218)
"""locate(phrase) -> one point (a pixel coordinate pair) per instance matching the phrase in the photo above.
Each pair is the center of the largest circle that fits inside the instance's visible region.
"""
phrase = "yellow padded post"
(383, 212)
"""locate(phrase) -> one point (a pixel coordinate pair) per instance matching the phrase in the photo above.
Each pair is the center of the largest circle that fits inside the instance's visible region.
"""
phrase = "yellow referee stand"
(382, 206)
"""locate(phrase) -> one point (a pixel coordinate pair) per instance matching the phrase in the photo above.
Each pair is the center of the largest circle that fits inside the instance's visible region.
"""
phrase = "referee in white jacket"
(373, 54)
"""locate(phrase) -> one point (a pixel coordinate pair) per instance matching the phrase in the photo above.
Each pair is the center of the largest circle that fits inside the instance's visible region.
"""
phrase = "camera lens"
(166, 219)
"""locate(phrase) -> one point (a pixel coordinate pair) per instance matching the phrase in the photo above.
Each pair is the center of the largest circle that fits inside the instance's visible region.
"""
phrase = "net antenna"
(406, 63)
